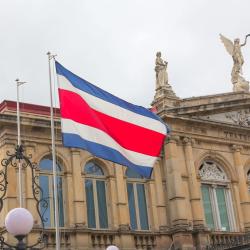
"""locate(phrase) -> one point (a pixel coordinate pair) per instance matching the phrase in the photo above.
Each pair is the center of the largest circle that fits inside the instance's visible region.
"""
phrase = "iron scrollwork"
(37, 192)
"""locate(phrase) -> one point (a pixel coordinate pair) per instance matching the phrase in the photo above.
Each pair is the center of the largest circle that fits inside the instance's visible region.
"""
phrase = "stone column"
(78, 194)
(126, 239)
(176, 194)
(27, 190)
(181, 233)
(11, 196)
(153, 204)
(236, 201)
(194, 187)
(11, 200)
(112, 204)
(122, 202)
(160, 201)
(27, 181)
(243, 189)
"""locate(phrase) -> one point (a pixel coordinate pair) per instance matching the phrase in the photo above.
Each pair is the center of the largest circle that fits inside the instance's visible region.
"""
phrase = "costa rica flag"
(107, 126)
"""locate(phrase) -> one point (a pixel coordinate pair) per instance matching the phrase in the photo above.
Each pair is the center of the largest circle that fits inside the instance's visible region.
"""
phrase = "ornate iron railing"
(41, 202)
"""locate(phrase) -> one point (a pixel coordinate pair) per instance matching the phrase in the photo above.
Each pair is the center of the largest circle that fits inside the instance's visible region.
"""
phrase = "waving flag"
(107, 126)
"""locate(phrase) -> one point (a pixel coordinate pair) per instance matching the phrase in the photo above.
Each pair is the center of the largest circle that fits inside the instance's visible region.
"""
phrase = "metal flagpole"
(53, 155)
(18, 84)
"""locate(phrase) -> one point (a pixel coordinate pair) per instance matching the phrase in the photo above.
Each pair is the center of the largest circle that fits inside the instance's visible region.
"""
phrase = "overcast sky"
(112, 44)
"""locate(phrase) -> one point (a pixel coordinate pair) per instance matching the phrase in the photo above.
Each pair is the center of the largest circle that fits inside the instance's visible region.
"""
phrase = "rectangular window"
(46, 184)
(45, 211)
(222, 208)
(142, 205)
(90, 204)
(131, 204)
(207, 206)
(102, 206)
(60, 201)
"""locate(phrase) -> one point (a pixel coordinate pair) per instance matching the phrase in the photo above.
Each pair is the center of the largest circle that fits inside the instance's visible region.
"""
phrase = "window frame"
(212, 186)
(94, 178)
(134, 181)
(49, 175)
(248, 181)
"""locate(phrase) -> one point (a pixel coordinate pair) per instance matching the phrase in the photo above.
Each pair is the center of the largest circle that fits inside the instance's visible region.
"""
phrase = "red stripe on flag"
(129, 136)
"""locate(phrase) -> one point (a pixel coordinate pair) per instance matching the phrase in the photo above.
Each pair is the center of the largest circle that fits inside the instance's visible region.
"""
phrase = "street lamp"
(19, 221)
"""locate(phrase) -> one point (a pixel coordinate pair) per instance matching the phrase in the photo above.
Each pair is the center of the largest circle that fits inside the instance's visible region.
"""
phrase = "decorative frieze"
(211, 172)
(241, 118)
(236, 136)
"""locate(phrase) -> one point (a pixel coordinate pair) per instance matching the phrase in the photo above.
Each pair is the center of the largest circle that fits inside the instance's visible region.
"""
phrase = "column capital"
(75, 151)
(236, 148)
(188, 141)
(174, 139)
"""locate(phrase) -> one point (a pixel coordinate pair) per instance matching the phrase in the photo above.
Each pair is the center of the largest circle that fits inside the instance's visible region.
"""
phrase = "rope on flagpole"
(51, 57)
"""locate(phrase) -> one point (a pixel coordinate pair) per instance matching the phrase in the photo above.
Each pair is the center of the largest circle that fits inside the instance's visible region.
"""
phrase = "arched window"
(216, 196)
(95, 188)
(137, 201)
(46, 183)
(248, 180)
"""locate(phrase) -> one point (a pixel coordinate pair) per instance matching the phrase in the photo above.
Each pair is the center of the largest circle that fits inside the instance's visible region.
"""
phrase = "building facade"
(198, 196)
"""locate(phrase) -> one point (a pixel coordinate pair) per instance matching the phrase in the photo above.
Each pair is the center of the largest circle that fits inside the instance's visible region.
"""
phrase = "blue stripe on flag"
(73, 140)
(91, 89)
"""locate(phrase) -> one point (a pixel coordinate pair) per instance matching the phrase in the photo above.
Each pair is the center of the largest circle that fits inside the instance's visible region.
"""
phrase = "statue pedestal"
(165, 98)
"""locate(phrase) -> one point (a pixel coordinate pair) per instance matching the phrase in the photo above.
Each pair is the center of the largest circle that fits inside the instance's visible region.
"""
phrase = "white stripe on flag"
(98, 136)
(113, 110)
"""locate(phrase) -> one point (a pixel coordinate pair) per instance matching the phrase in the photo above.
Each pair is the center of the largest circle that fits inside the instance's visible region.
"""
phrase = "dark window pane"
(207, 206)
(102, 206)
(60, 201)
(45, 211)
(222, 209)
(131, 204)
(90, 203)
(142, 204)
(47, 164)
(132, 174)
(93, 169)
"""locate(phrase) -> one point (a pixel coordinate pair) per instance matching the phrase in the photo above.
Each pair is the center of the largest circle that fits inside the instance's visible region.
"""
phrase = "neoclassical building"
(198, 196)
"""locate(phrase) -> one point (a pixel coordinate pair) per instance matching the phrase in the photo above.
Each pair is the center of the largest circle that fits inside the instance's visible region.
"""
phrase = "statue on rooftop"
(234, 49)
(161, 71)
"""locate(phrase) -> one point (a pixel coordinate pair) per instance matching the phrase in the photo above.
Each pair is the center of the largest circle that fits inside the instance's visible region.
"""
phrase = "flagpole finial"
(18, 82)
(51, 56)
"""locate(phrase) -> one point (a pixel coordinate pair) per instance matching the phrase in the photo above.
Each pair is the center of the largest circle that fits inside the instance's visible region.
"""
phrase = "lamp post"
(19, 221)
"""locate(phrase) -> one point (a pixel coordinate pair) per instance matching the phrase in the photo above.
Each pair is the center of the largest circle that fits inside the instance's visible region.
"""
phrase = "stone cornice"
(7, 119)
(200, 122)
(213, 102)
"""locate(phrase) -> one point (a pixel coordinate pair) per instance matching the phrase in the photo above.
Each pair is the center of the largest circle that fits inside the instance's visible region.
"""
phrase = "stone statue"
(234, 49)
(161, 71)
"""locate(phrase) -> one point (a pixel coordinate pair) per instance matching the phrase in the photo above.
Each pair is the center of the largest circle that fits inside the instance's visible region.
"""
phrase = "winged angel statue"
(234, 49)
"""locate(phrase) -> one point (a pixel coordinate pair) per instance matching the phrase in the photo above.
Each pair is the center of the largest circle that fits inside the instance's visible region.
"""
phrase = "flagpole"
(53, 155)
(18, 84)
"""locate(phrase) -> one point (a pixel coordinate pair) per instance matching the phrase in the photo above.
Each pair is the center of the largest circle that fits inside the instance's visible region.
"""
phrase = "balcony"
(222, 240)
